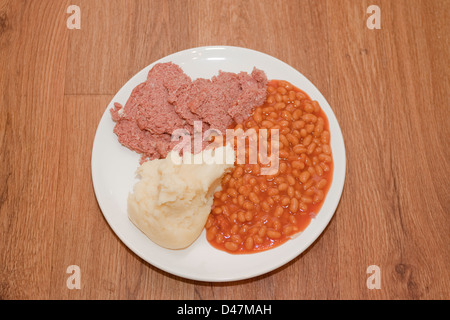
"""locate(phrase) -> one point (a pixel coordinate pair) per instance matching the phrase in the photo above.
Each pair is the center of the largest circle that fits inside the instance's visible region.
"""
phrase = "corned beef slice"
(170, 100)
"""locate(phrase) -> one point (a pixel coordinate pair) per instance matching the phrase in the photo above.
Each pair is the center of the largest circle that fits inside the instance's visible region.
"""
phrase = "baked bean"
(285, 84)
(319, 170)
(316, 106)
(324, 166)
(279, 180)
(272, 234)
(325, 137)
(265, 206)
(272, 191)
(253, 197)
(292, 95)
(257, 239)
(311, 148)
(309, 127)
(284, 123)
(238, 172)
(326, 149)
(304, 176)
(219, 238)
(276, 224)
(250, 123)
(308, 184)
(292, 139)
(249, 243)
(271, 89)
(232, 192)
(300, 95)
(279, 105)
(321, 184)
(290, 179)
(285, 201)
(283, 167)
(278, 212)
(283, 140)
(257, 117)
(278, 97)
(262, 231)
(285, 114)
(224, 197)
(293, 207)
(211, 233)
(297, 114)
(283, 154)
(288, 229)
(281, 90)
(298, 165)
(267, 124)
(299, 149)
(307, 140)
(243, 230)
(231, 246)
(226, 178)
(244, 190)
(319, 196)
(303, 132)
(318, 129)
(309, 108)
(325, 158)
(290, 191)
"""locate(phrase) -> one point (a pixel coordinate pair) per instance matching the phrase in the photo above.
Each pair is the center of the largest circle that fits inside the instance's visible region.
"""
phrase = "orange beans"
(293, 207)
(255, 212)
(304, 176)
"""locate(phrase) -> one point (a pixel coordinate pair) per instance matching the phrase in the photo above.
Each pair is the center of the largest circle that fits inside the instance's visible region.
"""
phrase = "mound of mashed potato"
(173, 198)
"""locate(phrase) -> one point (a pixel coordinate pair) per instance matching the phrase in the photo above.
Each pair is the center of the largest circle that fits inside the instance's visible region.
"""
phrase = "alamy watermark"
(74, 280)
(374, 20)
(74, 20)
(251, 147)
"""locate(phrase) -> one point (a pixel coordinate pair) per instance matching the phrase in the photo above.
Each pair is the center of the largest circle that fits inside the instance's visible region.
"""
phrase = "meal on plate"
(195, 176)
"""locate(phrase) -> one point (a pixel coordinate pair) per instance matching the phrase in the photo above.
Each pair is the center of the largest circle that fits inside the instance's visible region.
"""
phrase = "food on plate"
(172, 200)
(255, 212)
(169, 100)
(242, 208)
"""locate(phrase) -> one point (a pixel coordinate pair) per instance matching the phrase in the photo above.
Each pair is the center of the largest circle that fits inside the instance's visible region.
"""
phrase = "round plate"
(114, 167)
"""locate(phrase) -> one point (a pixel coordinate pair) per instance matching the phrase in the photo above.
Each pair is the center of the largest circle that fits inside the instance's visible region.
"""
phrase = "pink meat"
(170, 100)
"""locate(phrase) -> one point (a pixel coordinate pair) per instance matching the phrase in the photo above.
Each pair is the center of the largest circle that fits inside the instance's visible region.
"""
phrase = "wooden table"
(388, 88)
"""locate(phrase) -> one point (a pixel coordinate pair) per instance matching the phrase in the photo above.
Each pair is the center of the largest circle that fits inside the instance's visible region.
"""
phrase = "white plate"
(114, 166)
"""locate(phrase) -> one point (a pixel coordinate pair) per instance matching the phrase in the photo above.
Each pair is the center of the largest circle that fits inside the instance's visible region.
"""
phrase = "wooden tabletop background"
(388, 87)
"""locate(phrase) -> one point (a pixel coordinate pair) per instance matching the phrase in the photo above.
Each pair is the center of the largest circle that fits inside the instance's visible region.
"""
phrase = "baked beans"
(254, 212)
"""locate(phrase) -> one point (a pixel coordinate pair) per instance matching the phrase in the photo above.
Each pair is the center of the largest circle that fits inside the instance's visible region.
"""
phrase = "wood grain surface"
(389, 89)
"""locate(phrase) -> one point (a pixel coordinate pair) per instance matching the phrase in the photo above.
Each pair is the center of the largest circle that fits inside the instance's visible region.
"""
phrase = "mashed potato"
(172, 201)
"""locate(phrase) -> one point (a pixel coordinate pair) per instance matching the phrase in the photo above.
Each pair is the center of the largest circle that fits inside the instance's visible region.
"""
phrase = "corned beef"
(170, 100)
